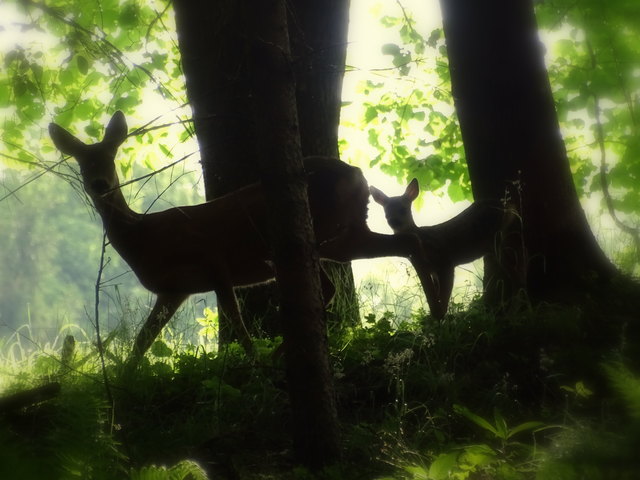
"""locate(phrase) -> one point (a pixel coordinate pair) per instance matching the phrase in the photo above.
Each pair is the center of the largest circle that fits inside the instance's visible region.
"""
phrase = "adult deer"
(222, 244)
(471, 234)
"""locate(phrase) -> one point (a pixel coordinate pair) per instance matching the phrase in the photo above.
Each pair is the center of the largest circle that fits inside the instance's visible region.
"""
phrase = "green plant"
(184, 470)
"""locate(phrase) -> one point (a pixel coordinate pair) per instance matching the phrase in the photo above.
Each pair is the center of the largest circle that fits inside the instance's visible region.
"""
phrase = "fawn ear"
(64, 141)
(116, 131)
(378, 196)
(412, 190)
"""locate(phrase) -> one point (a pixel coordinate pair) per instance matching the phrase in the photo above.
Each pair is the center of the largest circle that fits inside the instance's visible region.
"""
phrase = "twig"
(99, 343)
(604, 182)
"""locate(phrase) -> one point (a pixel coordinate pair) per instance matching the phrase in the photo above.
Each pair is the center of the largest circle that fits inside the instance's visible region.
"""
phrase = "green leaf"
(165, 150)
(523, 427)
(500, 425)
(478, 420)
(83, 64)
(417, 472)
(129, 14)
(19, 87)
(443, 466)
(127, 103)
(478, 456)
(370, 113)
(161, 349)
(455, 192)
(390, 49)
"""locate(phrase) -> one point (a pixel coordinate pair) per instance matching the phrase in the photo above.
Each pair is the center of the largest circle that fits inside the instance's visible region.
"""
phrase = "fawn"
(222, 244)
(471, 234)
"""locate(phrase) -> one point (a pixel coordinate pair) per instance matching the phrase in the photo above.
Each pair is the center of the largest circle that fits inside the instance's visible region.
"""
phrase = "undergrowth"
(546, 393)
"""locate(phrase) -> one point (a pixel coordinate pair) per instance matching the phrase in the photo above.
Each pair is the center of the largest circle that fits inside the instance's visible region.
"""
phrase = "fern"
(184, 470)
(627, 386)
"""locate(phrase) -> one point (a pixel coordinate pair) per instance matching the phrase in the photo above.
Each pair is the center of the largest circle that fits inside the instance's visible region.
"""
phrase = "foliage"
(400, 390)
(397, 380)
(408, 114)
(406, 108)
(593, 64)
(184, 470)
(76, 61)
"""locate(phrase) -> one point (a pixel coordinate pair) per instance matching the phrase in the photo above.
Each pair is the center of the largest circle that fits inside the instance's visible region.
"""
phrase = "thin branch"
(98, 286)
(155, 172)
(33, 178)
(604, 180)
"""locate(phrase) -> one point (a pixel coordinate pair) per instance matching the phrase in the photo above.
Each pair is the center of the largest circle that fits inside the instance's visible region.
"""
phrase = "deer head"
(397, 210)
(97, 161)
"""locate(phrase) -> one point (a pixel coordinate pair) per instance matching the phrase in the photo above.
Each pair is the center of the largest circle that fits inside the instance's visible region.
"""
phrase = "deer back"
(469, 235)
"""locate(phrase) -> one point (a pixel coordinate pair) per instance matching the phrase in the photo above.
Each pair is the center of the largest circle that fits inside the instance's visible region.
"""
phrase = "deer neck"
(114, 210)
(408, 227)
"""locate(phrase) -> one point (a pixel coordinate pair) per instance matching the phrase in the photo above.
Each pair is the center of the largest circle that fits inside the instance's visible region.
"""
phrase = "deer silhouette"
(473, 233)
(223, 243)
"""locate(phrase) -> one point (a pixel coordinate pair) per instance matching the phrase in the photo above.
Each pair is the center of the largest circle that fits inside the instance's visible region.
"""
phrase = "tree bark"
(214, 43)
(315, 427)
(318, 33)
(513, 144)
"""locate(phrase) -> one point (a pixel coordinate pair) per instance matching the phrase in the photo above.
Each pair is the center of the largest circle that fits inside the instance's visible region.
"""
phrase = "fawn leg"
(229, 305)
(430, 281)
(446, 277)
(164, 308)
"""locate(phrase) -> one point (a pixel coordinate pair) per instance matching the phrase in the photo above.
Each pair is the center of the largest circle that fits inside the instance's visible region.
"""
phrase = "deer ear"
(412, 190)
(64, 141)
(378, 196)
(116, 131)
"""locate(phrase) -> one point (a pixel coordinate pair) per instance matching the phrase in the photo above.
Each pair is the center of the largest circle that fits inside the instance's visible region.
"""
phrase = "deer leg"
(430, 281)
(328, 288)
(164, 308)
(228, 303)
(445, 277)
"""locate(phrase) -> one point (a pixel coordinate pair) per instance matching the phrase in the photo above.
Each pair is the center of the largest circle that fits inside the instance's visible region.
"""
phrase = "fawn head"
(97, 161)
(397, 210)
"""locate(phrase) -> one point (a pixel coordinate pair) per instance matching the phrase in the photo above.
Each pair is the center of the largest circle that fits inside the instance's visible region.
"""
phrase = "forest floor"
(548, 393)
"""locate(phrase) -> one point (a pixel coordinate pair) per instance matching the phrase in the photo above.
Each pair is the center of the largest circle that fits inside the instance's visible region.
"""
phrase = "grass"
(548, 393)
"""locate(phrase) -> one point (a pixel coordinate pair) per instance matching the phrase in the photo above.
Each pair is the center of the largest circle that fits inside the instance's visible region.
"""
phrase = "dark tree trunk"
(513, 143)
(318, 33)
(240, 88)
(315, 427)
(213, 38)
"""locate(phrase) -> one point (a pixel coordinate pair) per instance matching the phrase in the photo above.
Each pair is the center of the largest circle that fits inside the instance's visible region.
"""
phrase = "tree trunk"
(513, 144)
(318, 33)
(213, 39)
(315, 427)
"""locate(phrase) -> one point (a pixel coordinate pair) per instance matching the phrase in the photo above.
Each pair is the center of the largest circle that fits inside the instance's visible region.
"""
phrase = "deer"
(475, 232)
(223, 243)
